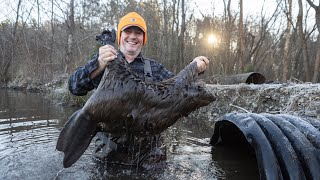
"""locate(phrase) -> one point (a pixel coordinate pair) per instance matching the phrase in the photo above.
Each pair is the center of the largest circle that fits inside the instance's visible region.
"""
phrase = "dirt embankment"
(34, 85)
(289, 98)
(295, 99)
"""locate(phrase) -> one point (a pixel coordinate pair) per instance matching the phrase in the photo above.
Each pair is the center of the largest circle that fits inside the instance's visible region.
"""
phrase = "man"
(131, 36)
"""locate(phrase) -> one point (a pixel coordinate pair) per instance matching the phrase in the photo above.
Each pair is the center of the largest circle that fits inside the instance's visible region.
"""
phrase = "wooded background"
(44, 40)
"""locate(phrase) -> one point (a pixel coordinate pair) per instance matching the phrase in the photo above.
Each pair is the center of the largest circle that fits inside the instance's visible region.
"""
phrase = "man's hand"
(202, 63)
(107, 53)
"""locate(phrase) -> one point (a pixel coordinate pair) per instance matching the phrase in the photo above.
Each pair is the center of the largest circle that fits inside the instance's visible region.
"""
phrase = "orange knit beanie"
(132, 19)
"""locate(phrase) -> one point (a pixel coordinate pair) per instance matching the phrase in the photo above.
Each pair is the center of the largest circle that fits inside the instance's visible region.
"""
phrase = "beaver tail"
(75, 137)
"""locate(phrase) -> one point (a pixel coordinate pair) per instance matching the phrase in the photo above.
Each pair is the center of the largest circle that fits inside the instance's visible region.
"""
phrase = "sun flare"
(212, 39)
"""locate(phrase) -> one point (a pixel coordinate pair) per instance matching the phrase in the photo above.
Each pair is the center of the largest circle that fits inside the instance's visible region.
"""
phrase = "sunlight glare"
(212, 39)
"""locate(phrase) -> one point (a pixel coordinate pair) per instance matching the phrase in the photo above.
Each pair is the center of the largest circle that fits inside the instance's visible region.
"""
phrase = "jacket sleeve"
(164, 73)
(80, 83)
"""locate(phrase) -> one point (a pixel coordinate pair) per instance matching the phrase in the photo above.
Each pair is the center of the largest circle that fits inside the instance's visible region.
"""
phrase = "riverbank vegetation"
(45, 41)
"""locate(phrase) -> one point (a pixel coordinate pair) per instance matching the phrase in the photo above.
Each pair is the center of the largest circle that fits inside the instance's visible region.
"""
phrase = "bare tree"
(287, 37)
(175, 34)
(182, 34)
(165, 31)
(241, 39)
(8, 59)
(71, 28)
(229, 21)
(302, 40)
(315, 77)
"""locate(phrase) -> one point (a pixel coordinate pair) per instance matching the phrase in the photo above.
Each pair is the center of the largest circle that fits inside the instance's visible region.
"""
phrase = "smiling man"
(131, 42)
(131, 37)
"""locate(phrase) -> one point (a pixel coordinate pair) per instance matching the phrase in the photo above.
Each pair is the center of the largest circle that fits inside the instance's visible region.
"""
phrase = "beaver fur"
(123, 104)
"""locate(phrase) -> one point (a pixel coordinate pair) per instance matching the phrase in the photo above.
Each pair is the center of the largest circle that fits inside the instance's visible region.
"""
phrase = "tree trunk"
(70, 37)
(7, 63)
(315, 77)
(228, 27)
(165, 34)
(241, 39)
(286, 59)
(175, 34)
(303, 43)
(182, 32)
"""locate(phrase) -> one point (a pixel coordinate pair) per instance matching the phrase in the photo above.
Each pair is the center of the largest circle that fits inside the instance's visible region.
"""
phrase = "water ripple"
(20, 135)
(30, 126)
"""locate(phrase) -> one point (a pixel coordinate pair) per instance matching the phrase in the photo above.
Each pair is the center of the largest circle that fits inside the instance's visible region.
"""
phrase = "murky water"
(30, 125)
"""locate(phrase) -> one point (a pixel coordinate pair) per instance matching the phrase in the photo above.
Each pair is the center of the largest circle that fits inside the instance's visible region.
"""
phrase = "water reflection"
(30, 125)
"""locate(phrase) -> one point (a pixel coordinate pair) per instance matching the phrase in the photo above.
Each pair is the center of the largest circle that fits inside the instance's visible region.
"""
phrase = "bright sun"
(212, 39)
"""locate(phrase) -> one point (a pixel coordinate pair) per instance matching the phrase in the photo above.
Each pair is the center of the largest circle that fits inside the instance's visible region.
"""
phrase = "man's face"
(131, 40)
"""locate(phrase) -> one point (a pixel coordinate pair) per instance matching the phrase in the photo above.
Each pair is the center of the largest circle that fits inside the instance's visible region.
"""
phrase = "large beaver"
(123, 104)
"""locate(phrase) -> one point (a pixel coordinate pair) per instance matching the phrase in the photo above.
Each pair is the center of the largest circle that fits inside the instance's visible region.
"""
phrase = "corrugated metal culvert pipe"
(286, 146)
(249, 78)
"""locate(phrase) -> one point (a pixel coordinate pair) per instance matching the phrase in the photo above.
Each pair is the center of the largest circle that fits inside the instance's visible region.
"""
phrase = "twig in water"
(57, 175)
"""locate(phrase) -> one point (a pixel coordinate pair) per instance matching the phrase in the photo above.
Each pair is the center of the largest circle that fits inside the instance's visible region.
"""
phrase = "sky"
(205, 6)
(251, 7)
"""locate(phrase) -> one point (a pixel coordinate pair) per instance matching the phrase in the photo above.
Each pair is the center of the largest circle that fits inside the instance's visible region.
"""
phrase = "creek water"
(30, 126)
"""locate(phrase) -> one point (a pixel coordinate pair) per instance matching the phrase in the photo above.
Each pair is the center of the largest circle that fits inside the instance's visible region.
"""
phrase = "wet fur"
(123, 104)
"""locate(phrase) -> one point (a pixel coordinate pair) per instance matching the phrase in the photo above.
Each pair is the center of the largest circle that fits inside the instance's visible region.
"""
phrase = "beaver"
(123, 103)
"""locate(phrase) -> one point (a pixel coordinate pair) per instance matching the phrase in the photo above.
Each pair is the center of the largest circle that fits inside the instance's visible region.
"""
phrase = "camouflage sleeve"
(80, 83)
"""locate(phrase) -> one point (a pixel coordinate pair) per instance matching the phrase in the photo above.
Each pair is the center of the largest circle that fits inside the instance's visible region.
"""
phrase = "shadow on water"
(30, 125)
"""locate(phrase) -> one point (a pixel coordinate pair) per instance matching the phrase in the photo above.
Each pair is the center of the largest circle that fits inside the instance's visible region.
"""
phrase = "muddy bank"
(34, 85)
(295, 99)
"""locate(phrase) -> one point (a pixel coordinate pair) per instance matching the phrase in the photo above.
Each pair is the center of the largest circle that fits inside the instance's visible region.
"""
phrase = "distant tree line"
(280, 46)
